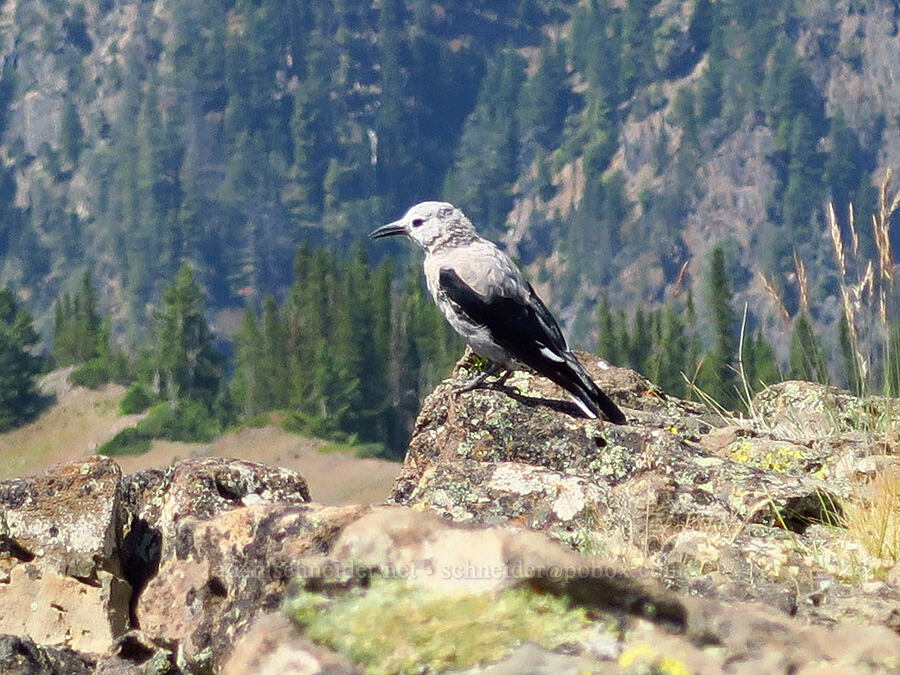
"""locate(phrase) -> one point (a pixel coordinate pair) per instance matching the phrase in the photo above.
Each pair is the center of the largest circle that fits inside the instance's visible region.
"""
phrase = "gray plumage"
(485, 298)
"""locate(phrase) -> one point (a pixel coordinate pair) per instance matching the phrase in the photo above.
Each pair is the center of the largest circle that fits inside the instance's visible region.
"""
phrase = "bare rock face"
(61, 580)
(275, 644)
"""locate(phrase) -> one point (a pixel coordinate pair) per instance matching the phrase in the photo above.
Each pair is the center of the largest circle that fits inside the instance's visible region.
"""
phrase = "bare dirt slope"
(81, 419)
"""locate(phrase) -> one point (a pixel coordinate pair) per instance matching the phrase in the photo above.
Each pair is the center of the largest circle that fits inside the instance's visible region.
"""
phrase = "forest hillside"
(611, 145)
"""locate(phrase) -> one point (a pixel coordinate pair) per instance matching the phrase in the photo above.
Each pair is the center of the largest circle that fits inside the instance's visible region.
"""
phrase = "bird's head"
(431, 225)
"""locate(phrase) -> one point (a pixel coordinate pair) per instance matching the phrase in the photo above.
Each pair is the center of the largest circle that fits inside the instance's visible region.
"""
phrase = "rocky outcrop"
(542, 541)
(725, 507)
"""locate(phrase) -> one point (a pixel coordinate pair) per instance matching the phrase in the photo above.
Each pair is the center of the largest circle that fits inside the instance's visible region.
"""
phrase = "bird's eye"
(417, 222)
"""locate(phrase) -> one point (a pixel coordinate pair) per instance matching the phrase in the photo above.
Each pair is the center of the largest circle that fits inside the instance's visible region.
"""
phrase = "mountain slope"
(607, 143)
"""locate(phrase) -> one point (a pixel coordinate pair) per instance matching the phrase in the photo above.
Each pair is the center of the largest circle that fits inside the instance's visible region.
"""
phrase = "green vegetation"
(393, 627)
(19, 398)
(233, 136)
(665, 345)
(348, 355)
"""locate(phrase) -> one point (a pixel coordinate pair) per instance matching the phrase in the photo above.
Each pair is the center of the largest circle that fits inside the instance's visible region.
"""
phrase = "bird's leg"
(478, 381)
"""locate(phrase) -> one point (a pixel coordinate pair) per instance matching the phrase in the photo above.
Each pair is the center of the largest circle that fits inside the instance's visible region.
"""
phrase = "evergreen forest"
(662, 171)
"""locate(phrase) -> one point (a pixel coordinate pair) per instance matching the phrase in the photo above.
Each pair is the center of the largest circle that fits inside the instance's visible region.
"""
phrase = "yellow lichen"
(642, 656)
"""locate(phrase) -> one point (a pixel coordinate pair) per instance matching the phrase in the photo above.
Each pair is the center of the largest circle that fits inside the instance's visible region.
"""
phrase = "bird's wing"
(513, 314)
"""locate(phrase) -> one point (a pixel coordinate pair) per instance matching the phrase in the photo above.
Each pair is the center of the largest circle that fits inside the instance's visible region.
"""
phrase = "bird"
(487, 300)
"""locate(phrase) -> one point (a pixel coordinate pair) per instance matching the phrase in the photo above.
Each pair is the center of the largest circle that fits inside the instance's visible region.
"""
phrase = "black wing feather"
(523, 329)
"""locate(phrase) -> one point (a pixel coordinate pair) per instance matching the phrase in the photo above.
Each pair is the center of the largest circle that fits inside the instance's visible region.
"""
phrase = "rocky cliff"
(520, 535)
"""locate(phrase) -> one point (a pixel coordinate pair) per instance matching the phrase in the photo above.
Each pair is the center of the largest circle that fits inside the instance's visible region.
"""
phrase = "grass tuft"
(395, 628)
(873, 518)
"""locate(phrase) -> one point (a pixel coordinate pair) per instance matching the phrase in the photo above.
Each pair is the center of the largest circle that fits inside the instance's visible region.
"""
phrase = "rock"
(731, 511)
(227, 569)
(274, 644)
(55, 609)
(488, 454)
(202, 488)
(59, 534)
(20, 655)
(134, 654)
(796, 409)
(67, 516)
(156, 501)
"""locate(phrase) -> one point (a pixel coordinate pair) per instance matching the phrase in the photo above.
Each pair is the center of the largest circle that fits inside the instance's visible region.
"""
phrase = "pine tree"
(19, 398)
(671, 354)
(184, 362)
(608, 345)
(807, 360)
(247, 385)
(760, 364)
(852, 375)
(485, 169)
(719, 377)
(76, 329)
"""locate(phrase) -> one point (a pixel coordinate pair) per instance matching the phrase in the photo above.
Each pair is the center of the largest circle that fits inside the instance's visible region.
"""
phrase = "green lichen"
(393, 627)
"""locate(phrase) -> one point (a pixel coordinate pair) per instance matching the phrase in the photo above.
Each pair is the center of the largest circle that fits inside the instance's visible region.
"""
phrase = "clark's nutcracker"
(489, 303)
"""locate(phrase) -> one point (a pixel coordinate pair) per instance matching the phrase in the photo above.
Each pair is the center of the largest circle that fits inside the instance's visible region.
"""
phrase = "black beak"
(389, 230)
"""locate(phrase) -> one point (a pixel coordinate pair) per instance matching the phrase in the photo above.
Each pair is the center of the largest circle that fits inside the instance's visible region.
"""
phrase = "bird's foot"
(479, 381)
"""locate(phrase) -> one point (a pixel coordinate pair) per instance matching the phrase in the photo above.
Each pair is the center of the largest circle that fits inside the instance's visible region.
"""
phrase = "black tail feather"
(572, 377)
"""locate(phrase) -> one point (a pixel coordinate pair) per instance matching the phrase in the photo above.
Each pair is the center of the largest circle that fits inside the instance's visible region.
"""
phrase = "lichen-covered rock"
(67, 516)
(20, 655)
(204, 487)
(60, 573)
(225, 570)
(134, 654)
(809, 410)
(728, 508)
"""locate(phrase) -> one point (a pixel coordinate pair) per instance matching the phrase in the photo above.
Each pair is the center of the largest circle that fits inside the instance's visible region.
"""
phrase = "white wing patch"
(550, 354)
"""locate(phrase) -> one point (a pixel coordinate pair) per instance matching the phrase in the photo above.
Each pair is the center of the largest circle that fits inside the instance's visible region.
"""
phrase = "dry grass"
(867, 301)
(873, 517)
(72, 428)
(82, 419)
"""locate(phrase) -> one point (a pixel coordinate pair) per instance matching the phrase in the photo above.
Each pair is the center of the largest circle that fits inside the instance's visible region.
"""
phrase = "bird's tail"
(572, 377)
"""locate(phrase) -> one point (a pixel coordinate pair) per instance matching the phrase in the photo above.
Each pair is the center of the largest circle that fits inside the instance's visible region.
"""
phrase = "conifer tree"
(719, 377)
(19, 399)
(184, 362)
(76, 329)
(760, 364)
(852, 375)
(247, 384)
(607, 345)
(807, 360)
(671, 354)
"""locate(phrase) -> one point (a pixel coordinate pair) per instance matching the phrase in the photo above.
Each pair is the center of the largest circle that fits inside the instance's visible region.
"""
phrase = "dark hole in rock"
(141, 549)
(18, 552)
(798, 514)
(133, 650)
(217, 588)
(600, 441)
(232, 493)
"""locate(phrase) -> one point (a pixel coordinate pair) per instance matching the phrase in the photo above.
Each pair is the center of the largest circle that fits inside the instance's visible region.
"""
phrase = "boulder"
(21, 655)
(726, 506)
(59, 557)
(274, 644)
(227, 569)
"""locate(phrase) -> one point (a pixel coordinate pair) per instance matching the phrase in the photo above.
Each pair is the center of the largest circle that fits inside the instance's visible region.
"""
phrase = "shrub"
(136, 400)
(127, 442)
(93, 374)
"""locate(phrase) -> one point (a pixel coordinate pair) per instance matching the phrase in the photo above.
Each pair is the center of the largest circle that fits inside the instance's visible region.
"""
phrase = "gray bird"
(484, 296)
